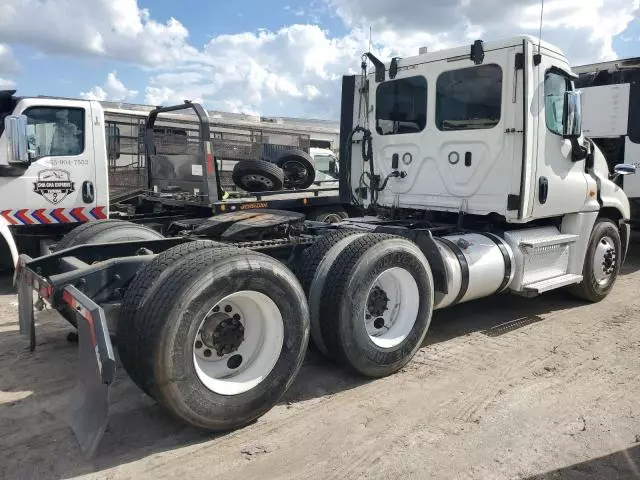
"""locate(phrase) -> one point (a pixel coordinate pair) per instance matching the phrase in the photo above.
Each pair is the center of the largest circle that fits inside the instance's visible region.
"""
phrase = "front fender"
(8, 238)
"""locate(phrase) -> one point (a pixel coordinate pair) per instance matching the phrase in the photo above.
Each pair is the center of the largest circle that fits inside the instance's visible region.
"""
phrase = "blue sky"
(282, 57)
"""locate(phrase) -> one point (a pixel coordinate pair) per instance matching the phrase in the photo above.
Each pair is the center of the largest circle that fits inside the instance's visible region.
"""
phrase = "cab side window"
(55, 131)
(555, 85)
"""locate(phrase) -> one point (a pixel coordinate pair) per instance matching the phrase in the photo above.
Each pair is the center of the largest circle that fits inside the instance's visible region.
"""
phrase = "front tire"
(601, 264)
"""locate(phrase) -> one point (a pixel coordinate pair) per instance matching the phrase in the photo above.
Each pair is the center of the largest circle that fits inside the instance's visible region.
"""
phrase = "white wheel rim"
(389, 328)
(604, 261)
(258, 349)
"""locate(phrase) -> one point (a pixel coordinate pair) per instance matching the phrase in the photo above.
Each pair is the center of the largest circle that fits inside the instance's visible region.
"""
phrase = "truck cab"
(487, 129)
(62, 177)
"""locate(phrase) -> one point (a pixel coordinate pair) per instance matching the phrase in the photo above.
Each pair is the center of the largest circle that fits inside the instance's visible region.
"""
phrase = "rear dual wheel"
(219, 335)
(381, 299)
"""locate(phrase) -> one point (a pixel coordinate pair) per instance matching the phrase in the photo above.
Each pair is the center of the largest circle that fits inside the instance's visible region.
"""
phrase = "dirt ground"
(504, 388)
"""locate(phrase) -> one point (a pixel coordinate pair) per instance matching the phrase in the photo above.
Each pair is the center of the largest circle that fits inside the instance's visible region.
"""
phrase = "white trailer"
(476, 178)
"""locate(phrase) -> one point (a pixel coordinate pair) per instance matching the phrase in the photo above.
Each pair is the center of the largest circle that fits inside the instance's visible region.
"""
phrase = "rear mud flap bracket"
(89, 405)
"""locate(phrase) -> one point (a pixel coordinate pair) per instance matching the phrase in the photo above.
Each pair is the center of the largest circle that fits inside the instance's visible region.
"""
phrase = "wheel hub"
(223, 333)
(378, 302)
(295, 172)
(609, 262)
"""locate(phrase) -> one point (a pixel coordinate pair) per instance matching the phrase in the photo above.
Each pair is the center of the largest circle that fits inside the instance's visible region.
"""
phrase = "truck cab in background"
(611, 111)
(57, 181)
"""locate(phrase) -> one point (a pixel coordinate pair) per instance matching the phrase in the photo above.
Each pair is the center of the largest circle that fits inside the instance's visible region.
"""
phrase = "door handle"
(88, 193)
(543, 190)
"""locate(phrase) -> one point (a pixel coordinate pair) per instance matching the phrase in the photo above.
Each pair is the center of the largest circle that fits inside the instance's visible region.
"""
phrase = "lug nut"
(207, 353)
(198, 344)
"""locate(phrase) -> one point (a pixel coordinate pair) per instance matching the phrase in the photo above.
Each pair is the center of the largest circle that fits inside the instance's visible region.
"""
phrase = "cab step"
(542, 286)
(533, 245)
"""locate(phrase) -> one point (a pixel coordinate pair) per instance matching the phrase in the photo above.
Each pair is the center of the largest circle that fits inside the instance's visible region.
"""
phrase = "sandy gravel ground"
(503, 388)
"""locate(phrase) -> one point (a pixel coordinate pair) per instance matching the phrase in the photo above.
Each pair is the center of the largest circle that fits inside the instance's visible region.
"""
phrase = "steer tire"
(169, 319)
(299, 171)
(348, 285)
(310, 267)
(140, 288)
(590, 289)
(257, 176)
(106, 231)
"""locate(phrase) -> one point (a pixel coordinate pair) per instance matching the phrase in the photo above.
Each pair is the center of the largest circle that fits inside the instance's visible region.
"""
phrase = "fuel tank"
(477, 265)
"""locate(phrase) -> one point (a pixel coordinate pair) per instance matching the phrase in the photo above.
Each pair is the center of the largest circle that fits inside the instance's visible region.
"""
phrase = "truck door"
(561, 183)
(59, 185)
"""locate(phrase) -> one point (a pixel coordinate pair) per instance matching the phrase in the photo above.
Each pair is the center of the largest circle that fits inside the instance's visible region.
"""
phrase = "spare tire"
(257, 176)
(298, 167)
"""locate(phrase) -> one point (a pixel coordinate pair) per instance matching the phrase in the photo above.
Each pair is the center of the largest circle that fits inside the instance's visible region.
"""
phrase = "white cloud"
(8, 64)
(114, 90)
(295, 70)
(6, 84)
(584, 29)
(117, 29)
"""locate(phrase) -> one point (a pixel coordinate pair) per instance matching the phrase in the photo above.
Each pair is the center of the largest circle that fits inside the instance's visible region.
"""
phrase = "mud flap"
(89, 406)
(26, 318)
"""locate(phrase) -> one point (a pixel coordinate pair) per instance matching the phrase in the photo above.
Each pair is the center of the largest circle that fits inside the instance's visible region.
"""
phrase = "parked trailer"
(85, 164)
(474, 182)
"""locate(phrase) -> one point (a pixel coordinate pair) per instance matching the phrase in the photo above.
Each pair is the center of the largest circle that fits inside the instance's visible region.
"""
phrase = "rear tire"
(381, 291)
(311, 268)
(137, 293)
(328, 215)
(106, 231)
(601, 263)
(173, 323)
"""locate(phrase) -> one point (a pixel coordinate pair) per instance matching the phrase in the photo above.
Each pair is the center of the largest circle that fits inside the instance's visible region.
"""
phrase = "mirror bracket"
(578, 152)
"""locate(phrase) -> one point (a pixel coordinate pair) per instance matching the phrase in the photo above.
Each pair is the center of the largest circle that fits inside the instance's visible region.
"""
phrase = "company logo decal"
(54, 185)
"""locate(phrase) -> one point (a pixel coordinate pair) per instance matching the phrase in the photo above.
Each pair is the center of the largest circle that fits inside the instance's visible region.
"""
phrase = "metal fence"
(126, 151)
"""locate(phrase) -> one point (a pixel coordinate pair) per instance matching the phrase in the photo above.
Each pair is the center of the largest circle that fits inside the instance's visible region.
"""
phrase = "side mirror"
(623, 169)
(332, 167)
(16, 129)
(572, 116)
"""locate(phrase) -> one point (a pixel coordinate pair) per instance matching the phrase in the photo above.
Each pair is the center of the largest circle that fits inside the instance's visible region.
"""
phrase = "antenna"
(370, 35)
(537, 58)
(540, 34)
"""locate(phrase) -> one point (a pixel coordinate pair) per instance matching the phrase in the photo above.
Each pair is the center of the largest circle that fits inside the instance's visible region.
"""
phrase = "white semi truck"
(611, 111)
(476, 179)
(85, 163)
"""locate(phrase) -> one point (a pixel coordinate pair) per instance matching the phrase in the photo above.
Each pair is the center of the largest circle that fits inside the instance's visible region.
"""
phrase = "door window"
(55, 131)
(555, 85)
(401, 106)
(469, 98)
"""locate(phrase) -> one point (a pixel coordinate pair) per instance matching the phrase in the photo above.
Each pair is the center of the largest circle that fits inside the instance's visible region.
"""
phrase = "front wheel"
(601, 263)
